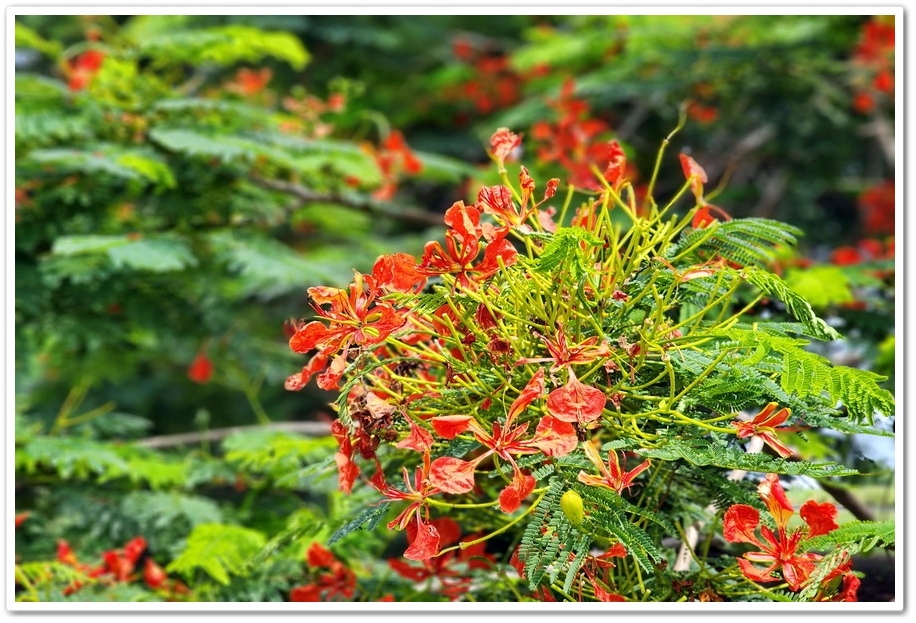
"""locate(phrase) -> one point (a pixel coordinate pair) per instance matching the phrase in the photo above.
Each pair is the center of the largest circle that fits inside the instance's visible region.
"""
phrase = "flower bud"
(571, 504)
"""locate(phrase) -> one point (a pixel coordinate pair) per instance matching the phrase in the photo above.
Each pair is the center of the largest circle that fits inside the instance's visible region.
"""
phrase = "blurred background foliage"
(182, 180)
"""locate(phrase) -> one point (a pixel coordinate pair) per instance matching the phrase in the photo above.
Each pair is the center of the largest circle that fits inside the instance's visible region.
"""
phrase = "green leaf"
(563, 249)
(28, 38)
(158, 509)
(822, 286)
(267, 268)
(218, 550)
(862, 534)
(797, 306)
(300, 524)
(370, 517)
(71, 457)
(223, 45)
(703, 452)
(151, 168)
(153, 254)
(75, 245)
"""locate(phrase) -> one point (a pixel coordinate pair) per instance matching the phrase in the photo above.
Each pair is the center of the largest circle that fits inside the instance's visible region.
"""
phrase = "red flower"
(613, 476)
(695, 175)
(21, 517)
(561, 354)
(154, 575)
(863, 102)
(426, 542)
(347, 470)
(393, 158)
(576, 401)
(250, 82)
(779, 550)
(462, 242)
(615, 173)
(338, 581)
(354, 317)
(83, 68)
(502, 144)
(451, 568)
(552, 436)
(764, 426)
(845, 256)
(877, 205)
(201, 369)
(398, 272)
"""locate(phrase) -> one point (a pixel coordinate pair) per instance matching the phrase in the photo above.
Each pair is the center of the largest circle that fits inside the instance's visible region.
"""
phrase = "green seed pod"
(572, 506)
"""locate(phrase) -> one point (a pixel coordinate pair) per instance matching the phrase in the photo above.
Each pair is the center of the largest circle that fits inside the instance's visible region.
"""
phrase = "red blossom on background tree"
(451, 569)
(201, 369)
(250, 82)
(81, 70)
(333, 580)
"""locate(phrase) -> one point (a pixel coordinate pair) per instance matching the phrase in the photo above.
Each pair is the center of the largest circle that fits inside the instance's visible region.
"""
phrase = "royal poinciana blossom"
(490, 374)
(781, 551)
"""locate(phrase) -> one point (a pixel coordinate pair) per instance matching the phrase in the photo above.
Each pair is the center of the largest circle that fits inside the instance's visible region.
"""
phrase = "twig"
(692, 532)
(311, 429)
(413, 216)
(882, 131)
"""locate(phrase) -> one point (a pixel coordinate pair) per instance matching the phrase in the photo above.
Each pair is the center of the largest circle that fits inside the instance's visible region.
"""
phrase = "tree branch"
(310, 429)
(357, 202)
(882, 131)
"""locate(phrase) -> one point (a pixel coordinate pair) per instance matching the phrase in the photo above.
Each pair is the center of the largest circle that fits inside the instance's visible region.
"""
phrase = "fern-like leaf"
(703, 452)
(369, 517)
(749, 241)
(861, 535)
(800, 309)
(218, 550)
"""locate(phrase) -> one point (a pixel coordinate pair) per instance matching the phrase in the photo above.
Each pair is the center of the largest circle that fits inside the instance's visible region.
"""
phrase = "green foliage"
(700, 452)
(175, 203)
(368, 519)
(225, 45)
(822, 286)
(798, 307)
(288, 460)
(218, 550)
(861, 536)
(749, 242)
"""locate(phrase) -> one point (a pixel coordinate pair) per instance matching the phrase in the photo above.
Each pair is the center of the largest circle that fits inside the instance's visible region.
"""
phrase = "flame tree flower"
(779, 550)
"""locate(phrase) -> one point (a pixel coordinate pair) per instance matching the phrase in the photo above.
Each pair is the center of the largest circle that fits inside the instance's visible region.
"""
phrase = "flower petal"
(531, 392)
(773, 495)
(576, 401)
(419, 439)
(425, 544)
(555, 437)
(739, 524)
(449, 426)
(511, 497)
(821, 518)
(452, 475)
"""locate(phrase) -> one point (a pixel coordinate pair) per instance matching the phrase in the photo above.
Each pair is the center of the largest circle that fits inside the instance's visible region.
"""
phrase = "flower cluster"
(122, 566)
(516, 355)
(779, 550)
(873, 64)
(81, 70)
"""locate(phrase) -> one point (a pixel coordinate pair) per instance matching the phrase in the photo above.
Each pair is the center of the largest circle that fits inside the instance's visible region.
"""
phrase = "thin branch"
(311, 429)
(360, 203)
(882, 131)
